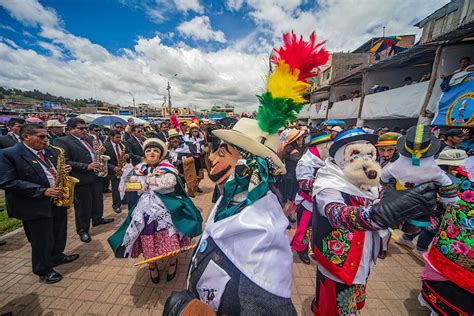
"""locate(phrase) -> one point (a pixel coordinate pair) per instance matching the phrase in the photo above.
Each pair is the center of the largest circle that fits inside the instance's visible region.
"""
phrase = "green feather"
(274, 113)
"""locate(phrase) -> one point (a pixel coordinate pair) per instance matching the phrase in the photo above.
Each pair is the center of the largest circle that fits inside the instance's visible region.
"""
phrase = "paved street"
(100, 284)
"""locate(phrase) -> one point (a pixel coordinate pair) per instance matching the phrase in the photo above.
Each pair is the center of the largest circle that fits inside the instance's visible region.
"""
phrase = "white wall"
(403, 102)
(314, 114)
(347, 109)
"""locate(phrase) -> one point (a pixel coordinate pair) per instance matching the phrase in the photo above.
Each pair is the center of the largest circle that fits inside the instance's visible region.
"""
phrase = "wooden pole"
(168, 254)
(362, 98)
(434, 74)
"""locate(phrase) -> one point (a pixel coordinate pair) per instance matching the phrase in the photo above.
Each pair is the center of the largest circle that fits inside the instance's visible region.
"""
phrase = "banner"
(456, 107)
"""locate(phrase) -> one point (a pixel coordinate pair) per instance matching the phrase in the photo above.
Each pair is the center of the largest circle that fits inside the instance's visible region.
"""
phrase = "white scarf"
(332, 177)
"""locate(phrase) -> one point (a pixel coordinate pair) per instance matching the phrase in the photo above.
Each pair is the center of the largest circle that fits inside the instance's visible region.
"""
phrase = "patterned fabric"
(352, 218)
(158, 244)
(306, 184)
(446, 298)
(448, 191)
(334, 298)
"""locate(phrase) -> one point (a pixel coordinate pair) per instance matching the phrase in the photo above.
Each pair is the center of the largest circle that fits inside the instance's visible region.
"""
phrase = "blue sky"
(112, 49)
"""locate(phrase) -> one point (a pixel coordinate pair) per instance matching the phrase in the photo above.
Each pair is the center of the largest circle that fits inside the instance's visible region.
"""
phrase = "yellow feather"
(283, 83)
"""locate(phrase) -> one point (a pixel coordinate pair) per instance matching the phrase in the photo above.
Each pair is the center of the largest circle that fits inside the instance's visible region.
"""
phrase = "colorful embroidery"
(336, 247)
(448, 191)
(346, 301)
(456, 234)
(352, 218)
(306, 184)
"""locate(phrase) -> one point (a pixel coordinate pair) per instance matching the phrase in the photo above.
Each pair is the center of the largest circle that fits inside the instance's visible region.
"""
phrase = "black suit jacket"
(135, 150)
(161, 136)
(25, 181)
(79, 158)
(113, 162)
(7, 141)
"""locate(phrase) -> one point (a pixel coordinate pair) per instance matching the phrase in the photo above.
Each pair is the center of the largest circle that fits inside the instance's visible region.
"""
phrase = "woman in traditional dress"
(164, 219)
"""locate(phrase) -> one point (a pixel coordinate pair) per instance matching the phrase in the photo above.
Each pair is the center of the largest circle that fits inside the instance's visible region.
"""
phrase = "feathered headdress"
(295, 62)
(174, 122)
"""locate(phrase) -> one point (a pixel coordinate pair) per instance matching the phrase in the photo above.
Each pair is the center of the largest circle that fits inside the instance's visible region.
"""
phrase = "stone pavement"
(100, 284)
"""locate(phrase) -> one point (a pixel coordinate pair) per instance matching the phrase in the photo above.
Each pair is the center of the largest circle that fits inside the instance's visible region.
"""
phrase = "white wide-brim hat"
(451, 157)
(150, 142)
(246, 134)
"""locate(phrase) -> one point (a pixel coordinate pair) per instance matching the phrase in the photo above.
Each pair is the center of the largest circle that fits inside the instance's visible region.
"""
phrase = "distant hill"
(38, 97)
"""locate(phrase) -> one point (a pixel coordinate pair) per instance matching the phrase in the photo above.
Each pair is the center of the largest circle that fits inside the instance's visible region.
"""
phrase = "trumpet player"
(88, 196)
(116, 150)
(28, 177)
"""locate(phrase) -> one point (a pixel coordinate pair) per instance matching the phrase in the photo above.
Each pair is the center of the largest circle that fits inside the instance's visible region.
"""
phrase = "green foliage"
(274, 113)
(7, 224)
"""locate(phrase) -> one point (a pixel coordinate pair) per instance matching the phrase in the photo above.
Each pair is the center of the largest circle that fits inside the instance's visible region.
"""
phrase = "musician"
(163, 133)
(88, 196)
(196, 145)
(135, 144)
(55, 130)
(95, 135)
(128, 128)
(28, 178)
(114, 148)
(14, 126)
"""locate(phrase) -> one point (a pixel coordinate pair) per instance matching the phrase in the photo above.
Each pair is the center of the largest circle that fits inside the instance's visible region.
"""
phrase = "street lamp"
(133, 98)
(169, 91)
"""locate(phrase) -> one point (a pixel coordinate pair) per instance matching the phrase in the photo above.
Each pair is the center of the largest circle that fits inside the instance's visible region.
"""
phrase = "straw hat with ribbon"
(418, 143)
(173, 133)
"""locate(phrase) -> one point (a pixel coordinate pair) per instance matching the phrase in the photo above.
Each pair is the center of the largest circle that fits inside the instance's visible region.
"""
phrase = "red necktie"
(47, 164)
(86, 143)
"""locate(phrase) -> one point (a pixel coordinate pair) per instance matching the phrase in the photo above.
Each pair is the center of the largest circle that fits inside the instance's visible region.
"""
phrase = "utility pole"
(169, 92)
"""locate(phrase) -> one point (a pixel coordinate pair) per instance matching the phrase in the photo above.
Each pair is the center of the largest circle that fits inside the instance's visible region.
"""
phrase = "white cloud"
(189, 5)
(30, 12)
(234, 4)
(54, 50)
(75, 67)
(200, 28)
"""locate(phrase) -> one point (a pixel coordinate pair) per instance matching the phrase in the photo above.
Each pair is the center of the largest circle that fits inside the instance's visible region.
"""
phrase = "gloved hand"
(184, 304)
(399, 206)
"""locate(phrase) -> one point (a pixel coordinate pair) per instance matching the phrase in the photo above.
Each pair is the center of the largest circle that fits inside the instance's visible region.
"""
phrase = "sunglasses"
(96, 130)
(138, 132)
(41, 136)
(119, 127)
(81, 128)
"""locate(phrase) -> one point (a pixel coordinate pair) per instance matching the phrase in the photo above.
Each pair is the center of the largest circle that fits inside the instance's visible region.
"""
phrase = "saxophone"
(64, 182)
(102, 159)
(122, 162)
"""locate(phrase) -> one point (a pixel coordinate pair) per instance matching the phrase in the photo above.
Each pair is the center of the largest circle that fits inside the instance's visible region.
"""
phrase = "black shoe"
(65, 259)
(117, 210)
(304, 257)
(3, 242)
(103, 221)
(170, 277)
(382, 255)
(51, 277)
(156, 279)
(199, 190)
(85, 237)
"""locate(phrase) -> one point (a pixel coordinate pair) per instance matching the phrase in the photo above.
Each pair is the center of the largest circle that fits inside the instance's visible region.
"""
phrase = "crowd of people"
(344, 190)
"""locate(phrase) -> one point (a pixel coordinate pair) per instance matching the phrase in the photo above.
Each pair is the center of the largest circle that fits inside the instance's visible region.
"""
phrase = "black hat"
(418, 143)
(454, 132)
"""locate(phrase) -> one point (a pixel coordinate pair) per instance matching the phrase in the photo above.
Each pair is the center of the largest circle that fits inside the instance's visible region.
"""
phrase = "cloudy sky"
(112, 49)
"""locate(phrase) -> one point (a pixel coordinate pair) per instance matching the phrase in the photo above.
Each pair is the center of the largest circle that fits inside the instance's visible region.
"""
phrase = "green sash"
(240, 184)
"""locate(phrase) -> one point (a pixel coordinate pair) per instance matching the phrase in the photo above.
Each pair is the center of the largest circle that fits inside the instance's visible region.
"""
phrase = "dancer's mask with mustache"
(357, 161)
(223, 162)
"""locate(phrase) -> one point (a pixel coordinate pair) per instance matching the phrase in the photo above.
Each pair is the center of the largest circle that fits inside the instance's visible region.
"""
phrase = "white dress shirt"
(51, 179)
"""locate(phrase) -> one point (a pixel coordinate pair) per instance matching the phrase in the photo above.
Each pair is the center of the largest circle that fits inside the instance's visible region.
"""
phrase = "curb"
(16, 231)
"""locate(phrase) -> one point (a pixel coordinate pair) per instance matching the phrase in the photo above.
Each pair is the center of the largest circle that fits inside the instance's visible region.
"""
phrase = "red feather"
(174, 122)
(301, 54)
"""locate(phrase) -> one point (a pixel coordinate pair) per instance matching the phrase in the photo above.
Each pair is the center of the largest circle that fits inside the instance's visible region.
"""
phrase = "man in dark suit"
(135, 144)
(28, 178)
(14, 126)
(163, 133)
(95, 135)
(88, 197)
(115, 150)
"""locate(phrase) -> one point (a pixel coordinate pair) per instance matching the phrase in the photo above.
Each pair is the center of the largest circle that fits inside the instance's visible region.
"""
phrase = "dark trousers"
(424, 239)
(47, 237)
(116, 200)
(88, 204)
(105, 184)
